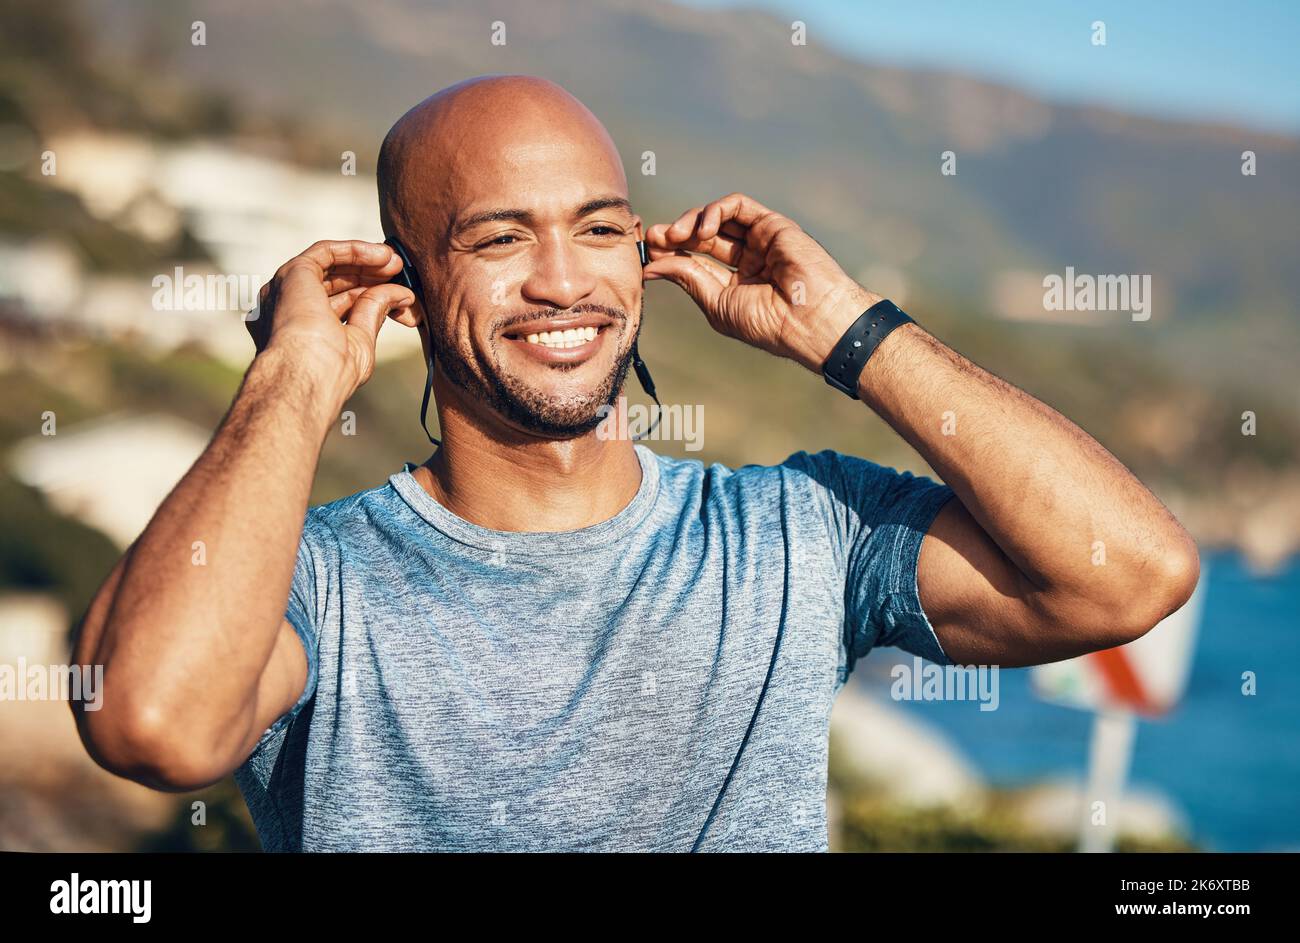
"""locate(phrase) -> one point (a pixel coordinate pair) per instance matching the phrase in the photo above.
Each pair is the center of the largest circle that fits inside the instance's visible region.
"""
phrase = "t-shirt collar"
(535, 542)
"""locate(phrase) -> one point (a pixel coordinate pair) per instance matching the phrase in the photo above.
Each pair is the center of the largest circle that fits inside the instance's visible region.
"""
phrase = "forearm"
(1063, 510)
(1053, 549)
(187, 621)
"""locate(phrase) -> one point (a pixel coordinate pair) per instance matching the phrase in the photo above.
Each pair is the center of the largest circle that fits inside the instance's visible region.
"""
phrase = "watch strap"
(846, 360)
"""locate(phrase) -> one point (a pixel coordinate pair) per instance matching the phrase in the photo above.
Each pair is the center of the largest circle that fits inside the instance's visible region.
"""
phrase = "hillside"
(849, 149)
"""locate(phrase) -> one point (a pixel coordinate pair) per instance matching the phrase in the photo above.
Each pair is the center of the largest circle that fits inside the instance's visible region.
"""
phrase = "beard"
(554, 417)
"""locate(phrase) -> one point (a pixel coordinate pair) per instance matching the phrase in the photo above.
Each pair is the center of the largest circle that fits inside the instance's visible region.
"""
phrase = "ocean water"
(1230, 763)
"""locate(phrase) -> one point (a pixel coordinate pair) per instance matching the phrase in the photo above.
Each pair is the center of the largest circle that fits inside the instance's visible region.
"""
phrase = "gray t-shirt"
(471, 689)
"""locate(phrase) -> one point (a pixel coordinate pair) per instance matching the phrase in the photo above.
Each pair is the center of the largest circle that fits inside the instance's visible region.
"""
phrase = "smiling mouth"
(559, 340)
(570, 345)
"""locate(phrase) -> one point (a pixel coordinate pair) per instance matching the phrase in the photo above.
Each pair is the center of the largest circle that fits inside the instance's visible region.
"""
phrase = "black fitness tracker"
(844, 365)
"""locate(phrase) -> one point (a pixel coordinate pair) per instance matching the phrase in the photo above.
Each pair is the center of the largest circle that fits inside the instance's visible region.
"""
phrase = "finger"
(704, 222)
(734, 206)
(300, 277)
(659, 232)
(342, 303)
(673, 262)
(373, 305)
(723, 246)
(761, 225)
(682, 227)
(336, 282)
(389, 268)
(328, 254)
(697, 275)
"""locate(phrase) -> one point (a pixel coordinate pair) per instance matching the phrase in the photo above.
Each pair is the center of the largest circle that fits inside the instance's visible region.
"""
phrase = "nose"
(559, 277)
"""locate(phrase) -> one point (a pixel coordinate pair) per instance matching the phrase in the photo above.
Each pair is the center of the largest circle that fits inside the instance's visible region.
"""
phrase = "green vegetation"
(871, 824)
(226, 824)
(43, 551)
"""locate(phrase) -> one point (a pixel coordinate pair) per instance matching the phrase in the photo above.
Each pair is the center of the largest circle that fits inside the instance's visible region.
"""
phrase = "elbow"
(143, 745)
(1182, 572)
(1173, 578)
(1163, 587)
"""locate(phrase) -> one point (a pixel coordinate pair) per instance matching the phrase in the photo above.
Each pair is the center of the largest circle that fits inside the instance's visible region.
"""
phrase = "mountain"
(850, 149)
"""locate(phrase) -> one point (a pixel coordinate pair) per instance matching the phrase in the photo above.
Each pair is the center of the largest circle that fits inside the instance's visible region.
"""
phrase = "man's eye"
(594, 230)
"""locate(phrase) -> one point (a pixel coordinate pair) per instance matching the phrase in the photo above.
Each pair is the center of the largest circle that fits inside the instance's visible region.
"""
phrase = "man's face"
(534, 237)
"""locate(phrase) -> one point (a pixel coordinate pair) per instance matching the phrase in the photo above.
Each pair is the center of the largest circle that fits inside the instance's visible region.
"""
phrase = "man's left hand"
(786, 294)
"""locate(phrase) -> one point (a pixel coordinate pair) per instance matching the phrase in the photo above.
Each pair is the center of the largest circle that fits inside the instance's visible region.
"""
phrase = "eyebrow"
(525, 216)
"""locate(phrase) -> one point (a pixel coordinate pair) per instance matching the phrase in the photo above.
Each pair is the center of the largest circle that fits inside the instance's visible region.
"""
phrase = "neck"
(533, 485)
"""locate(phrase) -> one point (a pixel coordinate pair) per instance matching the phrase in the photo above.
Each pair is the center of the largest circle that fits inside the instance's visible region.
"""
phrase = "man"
(549, 638)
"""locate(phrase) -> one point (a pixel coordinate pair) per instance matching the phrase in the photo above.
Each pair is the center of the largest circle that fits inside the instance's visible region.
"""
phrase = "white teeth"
(561, 340)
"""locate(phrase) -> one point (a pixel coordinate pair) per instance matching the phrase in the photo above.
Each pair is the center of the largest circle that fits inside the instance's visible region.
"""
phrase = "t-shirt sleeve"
(877, 518)
(302, 613)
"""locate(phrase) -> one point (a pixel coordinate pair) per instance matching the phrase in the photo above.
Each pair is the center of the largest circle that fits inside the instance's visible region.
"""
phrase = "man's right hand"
(199, 661)
(325, 307)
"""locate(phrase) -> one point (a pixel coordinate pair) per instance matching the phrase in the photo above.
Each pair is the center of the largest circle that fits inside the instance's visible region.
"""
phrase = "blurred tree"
(225, 824)
(40, 550)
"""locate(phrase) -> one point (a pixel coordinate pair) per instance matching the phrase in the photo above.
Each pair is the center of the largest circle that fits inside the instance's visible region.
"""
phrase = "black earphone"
(408, 277)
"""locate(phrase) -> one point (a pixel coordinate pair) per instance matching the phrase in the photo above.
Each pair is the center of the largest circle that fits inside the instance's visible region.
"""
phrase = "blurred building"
(133, 463)
(250, 214)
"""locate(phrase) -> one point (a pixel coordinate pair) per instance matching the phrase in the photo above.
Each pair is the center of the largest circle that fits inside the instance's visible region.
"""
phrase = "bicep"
(280, 687)
(984, 610)
(288, 679)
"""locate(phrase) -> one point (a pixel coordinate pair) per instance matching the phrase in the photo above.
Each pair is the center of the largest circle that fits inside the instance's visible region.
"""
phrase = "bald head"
(511, 199)
(470, 133)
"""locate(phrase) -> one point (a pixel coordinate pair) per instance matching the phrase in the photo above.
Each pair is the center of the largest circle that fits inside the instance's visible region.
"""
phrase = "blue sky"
(1233, 61)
